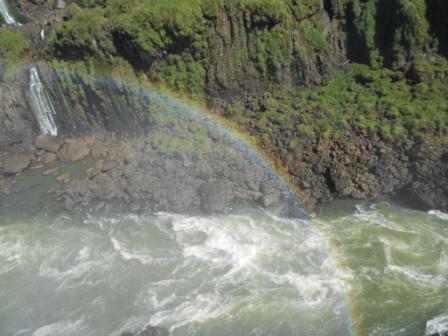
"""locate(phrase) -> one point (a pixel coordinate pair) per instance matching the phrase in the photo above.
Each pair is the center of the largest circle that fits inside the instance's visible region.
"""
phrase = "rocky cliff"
(348, 96)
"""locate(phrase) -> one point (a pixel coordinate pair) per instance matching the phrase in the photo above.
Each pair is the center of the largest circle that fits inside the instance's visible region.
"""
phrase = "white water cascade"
(9, 19)
(41, 104)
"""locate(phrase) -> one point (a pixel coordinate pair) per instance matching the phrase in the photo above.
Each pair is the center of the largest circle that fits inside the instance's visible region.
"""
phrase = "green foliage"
(12, 48)
(182, 75)
(385, 32)
(178, 42)
(183, 44)
(361, 98)
(191, 141)
(84, 32)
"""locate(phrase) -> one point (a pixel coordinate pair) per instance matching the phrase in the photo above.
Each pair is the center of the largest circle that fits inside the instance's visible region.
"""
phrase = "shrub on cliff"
(12, 47)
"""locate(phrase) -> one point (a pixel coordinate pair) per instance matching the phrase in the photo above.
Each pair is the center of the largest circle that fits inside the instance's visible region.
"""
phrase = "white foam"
(437, 326)
(204, 268)
(60, 328)
(128, 255)
(438, 214)
(415, 275)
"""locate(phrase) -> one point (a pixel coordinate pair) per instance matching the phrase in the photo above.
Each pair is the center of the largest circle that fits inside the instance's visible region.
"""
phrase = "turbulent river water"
(359, 269)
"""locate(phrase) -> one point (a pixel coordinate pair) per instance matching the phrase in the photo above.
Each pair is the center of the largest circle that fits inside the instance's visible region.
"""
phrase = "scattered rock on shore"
(74, 152)
(48, 143)
(15, 164)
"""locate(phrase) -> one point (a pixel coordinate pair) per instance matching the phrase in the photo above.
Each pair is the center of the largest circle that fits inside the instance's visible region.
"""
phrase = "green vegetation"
(379, 101)
(177, 42)
(12, 47)
(385, 32)
(397, 89)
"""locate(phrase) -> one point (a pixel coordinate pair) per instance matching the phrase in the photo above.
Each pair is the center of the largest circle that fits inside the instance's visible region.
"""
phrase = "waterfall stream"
(9, 19)
(41, 104)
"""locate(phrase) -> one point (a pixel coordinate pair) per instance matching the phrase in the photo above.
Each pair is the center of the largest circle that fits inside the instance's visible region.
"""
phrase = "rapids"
(244, 273)
(238, 274)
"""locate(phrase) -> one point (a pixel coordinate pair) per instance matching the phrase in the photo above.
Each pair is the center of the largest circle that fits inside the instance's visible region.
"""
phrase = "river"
(358, 269)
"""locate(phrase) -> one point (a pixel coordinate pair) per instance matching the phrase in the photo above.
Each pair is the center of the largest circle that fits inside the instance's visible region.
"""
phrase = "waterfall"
(41, 104)
(9, 19)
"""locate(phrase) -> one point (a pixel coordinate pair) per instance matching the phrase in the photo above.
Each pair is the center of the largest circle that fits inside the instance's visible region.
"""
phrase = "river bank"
(337, 130)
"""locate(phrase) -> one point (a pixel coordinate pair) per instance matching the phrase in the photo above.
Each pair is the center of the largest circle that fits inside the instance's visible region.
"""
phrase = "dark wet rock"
(48, 143)
(15, 164)
(74, 152)
(215, 197)
(148, 331)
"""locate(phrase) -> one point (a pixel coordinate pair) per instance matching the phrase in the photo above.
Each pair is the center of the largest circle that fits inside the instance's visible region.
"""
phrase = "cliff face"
(225, 48)
(221, 48)
(349, 96)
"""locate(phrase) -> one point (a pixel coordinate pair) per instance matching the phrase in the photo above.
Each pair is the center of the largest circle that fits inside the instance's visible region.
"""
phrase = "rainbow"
(245, 141)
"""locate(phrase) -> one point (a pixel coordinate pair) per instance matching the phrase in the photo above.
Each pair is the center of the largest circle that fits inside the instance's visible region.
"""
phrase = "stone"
(108, 166)
(64, 178)
(48, 143)
(49, 157)
(37, 166)
(74, 152)
(15, 164)
(50, 172)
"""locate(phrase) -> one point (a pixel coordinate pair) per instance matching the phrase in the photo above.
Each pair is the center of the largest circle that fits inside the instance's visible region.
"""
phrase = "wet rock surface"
(152, 157)
(364, 166)
(48, 143)
(15, 164)
(135, 175)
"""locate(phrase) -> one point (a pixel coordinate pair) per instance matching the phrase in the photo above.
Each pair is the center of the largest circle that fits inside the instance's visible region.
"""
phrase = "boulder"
(49, 157)
(64, 178)
(74, 152)
(48, 143)
(15, 164)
